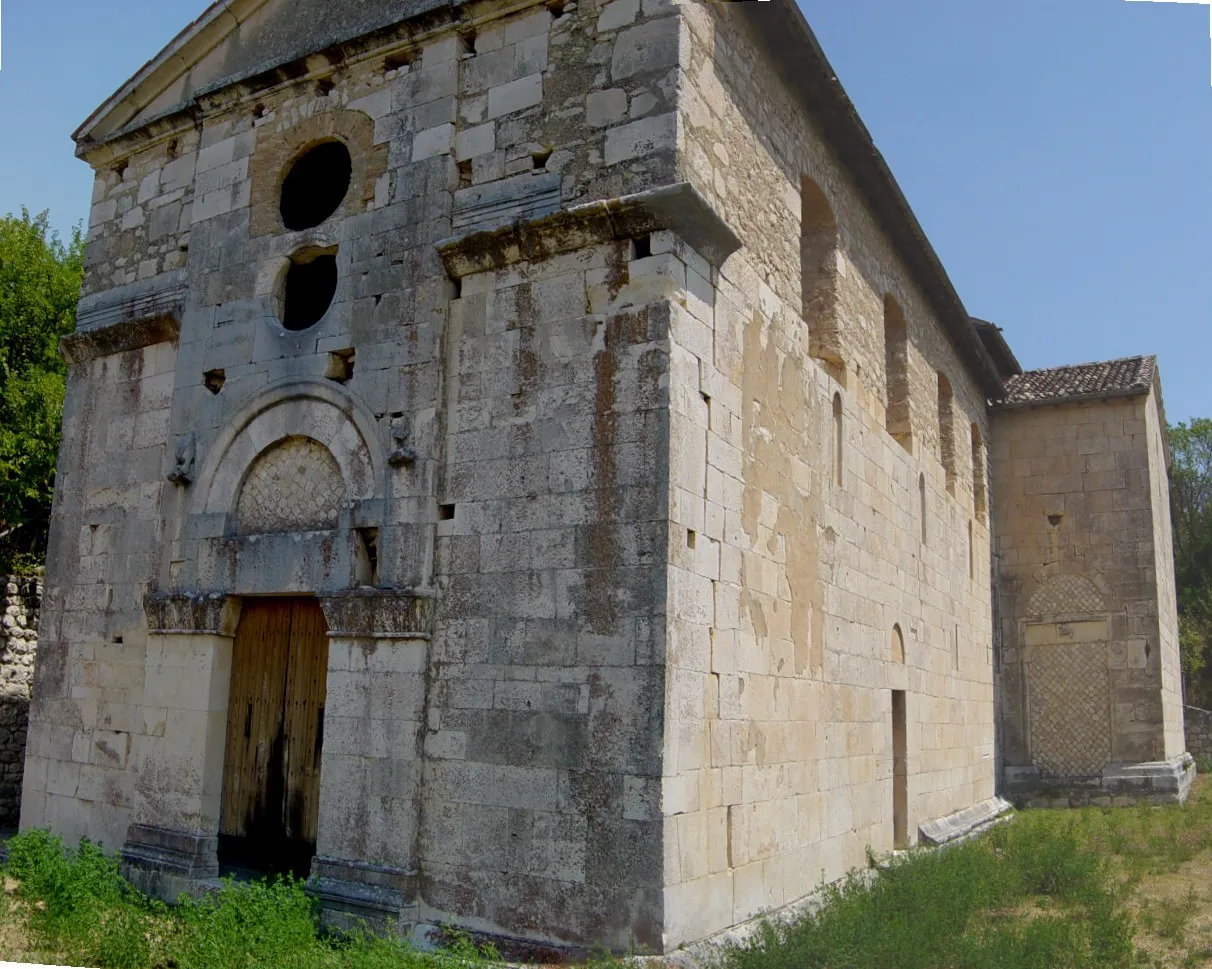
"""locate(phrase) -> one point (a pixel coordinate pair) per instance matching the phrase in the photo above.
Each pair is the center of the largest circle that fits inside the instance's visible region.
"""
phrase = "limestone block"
(475, 141)
(640, 138)
(603, 108)
(438, 140)
(517, 95)
(618, 13)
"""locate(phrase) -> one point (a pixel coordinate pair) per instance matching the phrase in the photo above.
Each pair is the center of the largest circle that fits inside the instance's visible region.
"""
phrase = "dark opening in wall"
(311, 283)
(643, 247)
(394, 62)
(538, 159)
(369, 558)
(324, 87)
(214, 380)
(316, 185)
(340, 365)
(446, 513)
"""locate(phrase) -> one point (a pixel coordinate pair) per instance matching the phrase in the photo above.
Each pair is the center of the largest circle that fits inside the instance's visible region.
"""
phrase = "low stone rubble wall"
(1198, 728)
(19, 603)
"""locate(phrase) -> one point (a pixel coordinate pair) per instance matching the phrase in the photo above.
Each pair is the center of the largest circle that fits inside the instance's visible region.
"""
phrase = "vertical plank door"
(271, 773)
(306, 682)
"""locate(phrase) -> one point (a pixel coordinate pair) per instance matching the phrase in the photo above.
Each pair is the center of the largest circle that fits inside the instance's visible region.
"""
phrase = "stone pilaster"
(173, 839)
(370, 783)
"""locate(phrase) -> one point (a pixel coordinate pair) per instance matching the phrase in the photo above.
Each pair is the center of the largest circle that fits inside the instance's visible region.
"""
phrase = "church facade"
(525, 467)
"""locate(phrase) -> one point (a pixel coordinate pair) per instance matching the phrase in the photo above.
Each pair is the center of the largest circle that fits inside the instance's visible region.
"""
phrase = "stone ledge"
(379, 614)
(1154, 782)
(187, 612)
(171, 852)
(353, 891)
(680, 208)
(126, 318)
(963, 824)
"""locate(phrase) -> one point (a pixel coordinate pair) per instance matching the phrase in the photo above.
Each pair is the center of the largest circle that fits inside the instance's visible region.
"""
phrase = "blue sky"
(1058, 154)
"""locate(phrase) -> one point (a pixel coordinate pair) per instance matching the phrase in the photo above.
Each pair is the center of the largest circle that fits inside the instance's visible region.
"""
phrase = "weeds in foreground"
(76, 904)
(1070, 889)
(1026, 895)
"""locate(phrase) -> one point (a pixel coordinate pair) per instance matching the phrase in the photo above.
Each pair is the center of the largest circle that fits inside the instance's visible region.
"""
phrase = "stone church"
(525, 467)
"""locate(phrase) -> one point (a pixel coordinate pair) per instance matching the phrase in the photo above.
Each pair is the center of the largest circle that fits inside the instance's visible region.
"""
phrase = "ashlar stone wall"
(1088, 659)
(804, 537)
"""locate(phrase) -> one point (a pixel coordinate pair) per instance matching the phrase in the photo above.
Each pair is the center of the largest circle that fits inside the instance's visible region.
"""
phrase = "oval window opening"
(311, 283)
(316, 185)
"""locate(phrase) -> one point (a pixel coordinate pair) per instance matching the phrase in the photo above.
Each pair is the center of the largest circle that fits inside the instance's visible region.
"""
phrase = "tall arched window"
(838, 440)
(946, 430)
(979, 494)
(896, 645)
(818, 272)
(896, 373)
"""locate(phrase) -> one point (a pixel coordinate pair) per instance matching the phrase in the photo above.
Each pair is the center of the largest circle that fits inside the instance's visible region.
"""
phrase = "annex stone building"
(525, 467)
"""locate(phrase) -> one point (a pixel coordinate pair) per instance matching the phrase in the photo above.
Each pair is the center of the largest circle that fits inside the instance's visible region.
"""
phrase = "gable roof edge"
(214, 24)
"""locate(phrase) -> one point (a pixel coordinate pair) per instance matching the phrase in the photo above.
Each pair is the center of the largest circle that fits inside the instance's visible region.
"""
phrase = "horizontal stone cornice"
(679, 208)
(213, 614)
(379, 614)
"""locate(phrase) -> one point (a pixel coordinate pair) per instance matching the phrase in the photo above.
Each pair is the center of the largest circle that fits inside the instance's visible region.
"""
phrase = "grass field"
(1123, 887)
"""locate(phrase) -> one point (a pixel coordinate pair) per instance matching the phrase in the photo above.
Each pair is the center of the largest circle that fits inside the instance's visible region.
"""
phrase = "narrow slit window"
(818, 272)
(946, 430)
(980, 498)
(896, 374)
(838, 441)
(921, 494)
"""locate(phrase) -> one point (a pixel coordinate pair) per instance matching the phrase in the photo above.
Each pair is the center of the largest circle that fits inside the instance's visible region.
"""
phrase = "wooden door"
(275, 728)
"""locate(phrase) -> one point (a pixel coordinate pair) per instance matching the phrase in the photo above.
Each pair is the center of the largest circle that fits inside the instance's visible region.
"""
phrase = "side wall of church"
(803, 533)
(1088, 647)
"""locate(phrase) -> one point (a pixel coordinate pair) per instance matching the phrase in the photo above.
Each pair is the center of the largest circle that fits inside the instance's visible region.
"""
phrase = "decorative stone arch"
(279, 147)
(309, 410)
(1069, 594)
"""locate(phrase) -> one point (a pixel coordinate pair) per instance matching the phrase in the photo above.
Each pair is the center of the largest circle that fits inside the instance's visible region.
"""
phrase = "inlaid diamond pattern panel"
(1070, 721)
(295, 485)
(1064, 594)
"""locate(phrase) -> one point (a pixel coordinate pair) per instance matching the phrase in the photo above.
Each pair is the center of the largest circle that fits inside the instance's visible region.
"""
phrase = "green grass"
(75, 905)
(1025, 895)
(1099, 887)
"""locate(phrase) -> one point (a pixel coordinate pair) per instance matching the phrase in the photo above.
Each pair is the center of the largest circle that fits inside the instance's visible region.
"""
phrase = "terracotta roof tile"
(1083, 381)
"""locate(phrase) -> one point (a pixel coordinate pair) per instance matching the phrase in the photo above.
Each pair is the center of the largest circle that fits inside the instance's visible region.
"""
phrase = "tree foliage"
(1191, 516)
(39, 286)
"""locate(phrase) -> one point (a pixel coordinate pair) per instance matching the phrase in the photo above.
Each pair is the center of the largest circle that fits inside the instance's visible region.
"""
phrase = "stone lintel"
(191, 613)
(680, 208)
(356, 891)
(379, 614)
(963, 824)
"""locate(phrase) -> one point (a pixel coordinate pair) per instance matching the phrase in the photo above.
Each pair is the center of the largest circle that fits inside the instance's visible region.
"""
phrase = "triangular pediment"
(234, 40)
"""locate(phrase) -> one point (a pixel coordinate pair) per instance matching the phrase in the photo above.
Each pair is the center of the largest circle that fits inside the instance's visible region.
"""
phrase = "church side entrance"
(275, 730)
